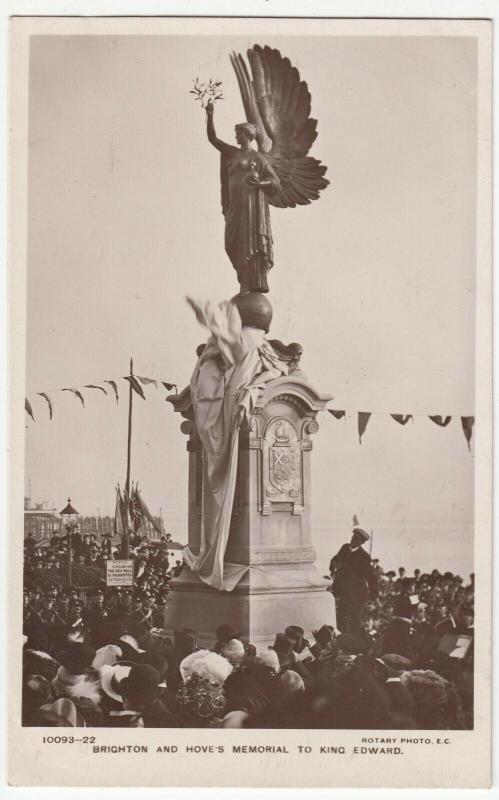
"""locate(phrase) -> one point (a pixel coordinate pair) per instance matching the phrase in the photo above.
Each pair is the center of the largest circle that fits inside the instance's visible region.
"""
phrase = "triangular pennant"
(77, 393)
(337, 414)
(47, 398)
(467, 423)
(27, 407)
(132, 380)
(169, 386)
(401, 418)
(115, 389)
(442, 421)
(355, 521)
(363, 419)
(145, 381)
(94, 386)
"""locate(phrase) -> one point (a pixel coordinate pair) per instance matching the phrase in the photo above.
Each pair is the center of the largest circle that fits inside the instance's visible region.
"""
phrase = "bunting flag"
(27, 407)
(337, 414)
(132, 380)
(94, 386)
(363, 419)
(78, 394)
(145, 381)
(169, 386)
(47, 398)
(355, 521)
(442, 421)
(401, 418)
(115, 389)
(467, 423)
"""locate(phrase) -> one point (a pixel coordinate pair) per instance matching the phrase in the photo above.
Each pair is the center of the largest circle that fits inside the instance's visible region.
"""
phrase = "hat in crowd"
(36, 662)
(350, 644)
(109, 654)
(130, 650)
(395, 663)
(235, 719)
(292, 682)
(77, 657)
(426, 686)
(324, 634)
(270, 658)
(282, 645)
(390, 573)
(361, 532)
(63, 713)
(233, 651)
(212, 666)
(111, 677)
(185, 640)
(142, 682)
(296, 635)
(225, 633)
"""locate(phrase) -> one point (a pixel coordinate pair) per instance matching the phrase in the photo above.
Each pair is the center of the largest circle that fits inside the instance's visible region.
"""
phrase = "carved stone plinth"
(270, 528)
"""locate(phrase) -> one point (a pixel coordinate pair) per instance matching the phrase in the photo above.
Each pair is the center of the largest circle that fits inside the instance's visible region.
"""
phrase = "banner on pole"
(119, 573)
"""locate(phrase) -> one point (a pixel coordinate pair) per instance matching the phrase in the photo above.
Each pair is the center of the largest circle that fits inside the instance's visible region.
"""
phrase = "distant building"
(44, 522)
(40, 520)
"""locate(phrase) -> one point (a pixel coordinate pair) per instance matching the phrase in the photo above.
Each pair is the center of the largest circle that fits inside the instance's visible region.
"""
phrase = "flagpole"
(371, 544)
(128, 460)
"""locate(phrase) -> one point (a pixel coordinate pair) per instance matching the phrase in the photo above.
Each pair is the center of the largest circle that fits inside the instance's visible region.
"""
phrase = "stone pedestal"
(270, 528)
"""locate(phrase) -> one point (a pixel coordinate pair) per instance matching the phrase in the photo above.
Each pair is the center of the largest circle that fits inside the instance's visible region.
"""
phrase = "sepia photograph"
(250, 315)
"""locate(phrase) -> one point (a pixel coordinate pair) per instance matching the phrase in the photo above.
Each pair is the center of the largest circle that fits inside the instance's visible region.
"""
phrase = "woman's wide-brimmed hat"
(111, 677)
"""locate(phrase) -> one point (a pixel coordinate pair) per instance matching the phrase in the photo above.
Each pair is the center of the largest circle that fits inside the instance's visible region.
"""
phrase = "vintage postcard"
(250, 402)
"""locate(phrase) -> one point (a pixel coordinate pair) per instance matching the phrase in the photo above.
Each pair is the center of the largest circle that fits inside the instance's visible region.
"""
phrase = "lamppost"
(69, 515)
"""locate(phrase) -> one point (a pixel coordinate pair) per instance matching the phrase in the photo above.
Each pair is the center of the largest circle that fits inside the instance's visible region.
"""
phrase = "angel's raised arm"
(210, 130)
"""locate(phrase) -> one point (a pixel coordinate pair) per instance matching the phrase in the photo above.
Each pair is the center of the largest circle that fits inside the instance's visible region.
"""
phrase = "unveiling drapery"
(234, 365)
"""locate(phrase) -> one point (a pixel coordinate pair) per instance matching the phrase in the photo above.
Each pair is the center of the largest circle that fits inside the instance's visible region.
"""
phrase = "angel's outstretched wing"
(278, 103)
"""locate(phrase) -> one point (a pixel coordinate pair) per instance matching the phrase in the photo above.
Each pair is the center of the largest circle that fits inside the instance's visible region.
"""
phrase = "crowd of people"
(103, 658)
(46, 567)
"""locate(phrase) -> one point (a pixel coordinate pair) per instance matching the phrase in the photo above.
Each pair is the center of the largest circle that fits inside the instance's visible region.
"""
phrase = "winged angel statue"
(279, 173)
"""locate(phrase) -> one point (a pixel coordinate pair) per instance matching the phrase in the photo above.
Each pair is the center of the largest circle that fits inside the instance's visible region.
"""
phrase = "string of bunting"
(135, 381)
(138, 381)
(363, 418)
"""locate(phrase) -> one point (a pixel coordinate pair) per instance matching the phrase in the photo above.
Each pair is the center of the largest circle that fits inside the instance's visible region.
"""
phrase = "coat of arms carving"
(282, 463)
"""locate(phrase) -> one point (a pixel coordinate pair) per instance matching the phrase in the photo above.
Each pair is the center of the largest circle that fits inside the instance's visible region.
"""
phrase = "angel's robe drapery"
(248, 234)
(235, 364)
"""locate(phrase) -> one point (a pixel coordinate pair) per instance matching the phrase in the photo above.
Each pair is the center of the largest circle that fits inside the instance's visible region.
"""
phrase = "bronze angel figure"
(280, 172)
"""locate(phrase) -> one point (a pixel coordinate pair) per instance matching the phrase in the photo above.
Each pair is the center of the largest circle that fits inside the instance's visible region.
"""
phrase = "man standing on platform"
(354, 581)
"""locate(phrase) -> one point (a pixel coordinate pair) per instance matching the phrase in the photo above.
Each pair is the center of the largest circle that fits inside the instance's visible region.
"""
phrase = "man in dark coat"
(397, 636)
(354, 581)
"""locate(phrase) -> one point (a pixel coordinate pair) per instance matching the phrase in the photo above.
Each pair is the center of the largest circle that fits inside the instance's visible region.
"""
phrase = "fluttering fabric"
(234, 365)
(402, 419)
(467, 423)
(363, 418)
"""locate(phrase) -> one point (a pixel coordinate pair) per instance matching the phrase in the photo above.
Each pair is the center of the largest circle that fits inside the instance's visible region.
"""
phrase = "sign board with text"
(119, 573)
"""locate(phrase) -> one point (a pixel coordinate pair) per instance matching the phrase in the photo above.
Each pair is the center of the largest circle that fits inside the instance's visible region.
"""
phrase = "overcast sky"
(375, 280)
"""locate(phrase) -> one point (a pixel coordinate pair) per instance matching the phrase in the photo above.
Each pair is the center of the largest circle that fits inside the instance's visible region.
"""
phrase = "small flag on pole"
(132, 380)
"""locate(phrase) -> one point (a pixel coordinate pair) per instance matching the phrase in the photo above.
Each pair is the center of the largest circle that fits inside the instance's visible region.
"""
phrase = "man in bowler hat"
(354, 581)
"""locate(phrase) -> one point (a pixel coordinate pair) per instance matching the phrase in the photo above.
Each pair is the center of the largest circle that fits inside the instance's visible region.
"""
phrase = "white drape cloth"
(235, 363)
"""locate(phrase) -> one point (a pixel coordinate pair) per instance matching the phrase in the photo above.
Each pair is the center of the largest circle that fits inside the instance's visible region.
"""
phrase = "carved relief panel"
(282, 466)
